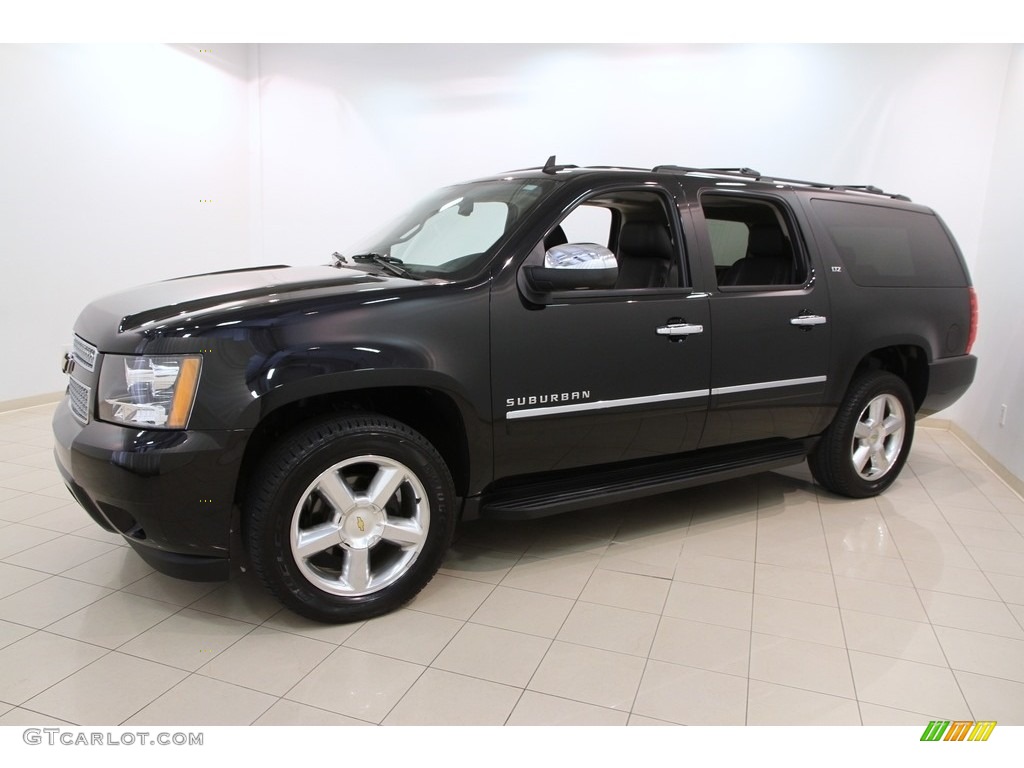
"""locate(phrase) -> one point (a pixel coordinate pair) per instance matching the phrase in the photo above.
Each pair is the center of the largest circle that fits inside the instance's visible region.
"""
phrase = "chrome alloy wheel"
(878, 437)
(360, 525)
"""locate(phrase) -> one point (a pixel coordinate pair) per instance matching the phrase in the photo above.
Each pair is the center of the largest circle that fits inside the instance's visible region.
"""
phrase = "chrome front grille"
(84, 353)
(78, 399)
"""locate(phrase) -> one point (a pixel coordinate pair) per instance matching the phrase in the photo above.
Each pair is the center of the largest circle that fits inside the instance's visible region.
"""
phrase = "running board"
(544, 497)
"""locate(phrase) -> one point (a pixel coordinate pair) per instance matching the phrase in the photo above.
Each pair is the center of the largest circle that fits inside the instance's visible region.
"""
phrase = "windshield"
(454, 232)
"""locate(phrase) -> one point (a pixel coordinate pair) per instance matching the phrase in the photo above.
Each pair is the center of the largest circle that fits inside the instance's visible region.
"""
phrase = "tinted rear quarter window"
(890, 247)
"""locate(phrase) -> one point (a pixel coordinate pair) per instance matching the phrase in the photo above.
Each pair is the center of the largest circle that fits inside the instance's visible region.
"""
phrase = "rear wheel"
(350, 517)
(864, 449)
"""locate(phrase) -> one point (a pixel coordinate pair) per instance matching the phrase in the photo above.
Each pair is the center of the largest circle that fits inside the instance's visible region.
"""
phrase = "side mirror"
(574, 265)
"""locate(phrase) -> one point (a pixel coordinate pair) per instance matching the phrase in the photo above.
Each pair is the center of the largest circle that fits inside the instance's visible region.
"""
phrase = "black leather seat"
(768, 261)
(645, 255)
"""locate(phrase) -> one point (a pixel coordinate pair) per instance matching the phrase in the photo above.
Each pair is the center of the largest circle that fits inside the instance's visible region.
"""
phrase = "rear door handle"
(679, 329)
(806, 320)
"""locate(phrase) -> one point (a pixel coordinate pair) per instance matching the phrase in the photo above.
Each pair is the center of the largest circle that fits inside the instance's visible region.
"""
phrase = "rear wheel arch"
(907, 361)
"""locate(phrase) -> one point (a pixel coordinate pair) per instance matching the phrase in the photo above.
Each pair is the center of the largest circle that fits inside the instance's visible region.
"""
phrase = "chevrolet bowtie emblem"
(360, 524)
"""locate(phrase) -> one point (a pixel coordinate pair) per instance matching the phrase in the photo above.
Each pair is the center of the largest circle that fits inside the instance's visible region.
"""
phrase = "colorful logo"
(958, 730)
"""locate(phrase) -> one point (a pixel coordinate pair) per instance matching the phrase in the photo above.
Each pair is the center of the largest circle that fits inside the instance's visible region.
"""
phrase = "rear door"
(770, 318)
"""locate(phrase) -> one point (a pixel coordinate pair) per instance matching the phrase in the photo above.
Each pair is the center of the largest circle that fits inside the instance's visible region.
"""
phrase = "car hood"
(198, 297)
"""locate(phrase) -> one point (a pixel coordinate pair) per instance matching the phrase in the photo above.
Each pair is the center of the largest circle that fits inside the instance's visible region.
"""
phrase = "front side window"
(752, 243)
(634, 225)
(453, 233)
(588, 224)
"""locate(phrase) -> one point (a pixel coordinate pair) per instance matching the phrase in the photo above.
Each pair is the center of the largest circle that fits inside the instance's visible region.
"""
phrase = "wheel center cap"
(362, 527)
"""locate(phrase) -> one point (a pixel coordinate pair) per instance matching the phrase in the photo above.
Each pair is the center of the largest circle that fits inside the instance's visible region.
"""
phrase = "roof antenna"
(550, 166)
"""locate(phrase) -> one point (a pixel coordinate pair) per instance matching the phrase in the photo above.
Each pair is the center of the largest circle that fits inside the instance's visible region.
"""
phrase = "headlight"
(148, 391)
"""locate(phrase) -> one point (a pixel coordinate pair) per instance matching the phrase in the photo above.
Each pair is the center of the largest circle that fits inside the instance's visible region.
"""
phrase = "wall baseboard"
(1015, 483)
(30, 402)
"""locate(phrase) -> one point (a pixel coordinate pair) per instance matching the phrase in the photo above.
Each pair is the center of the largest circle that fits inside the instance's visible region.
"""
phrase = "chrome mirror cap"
(579, 256)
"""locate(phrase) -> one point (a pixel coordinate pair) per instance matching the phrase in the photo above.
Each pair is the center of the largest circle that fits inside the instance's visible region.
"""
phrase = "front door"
(599, 376)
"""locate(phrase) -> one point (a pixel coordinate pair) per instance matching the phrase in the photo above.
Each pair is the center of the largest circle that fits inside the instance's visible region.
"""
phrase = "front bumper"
(169, 493)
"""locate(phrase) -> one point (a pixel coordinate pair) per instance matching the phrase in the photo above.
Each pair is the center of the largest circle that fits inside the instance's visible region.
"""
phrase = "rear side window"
(890, 247)
(752, 243)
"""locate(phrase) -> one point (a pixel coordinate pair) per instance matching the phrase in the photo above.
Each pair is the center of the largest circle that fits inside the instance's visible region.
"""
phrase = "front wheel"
(864, 449)
(350, 517)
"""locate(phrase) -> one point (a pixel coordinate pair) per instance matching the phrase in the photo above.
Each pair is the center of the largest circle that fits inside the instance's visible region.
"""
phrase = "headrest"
(766, 241)
(646, 238)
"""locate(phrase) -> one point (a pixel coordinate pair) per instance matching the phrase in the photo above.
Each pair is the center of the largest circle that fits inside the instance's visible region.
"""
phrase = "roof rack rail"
(683, 168)
(741, 171)
(871, 189)
(750, 173)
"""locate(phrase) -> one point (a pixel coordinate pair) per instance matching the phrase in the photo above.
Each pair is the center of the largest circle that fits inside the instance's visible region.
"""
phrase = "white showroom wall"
(999, 277)
(106, 152)
(350, 131)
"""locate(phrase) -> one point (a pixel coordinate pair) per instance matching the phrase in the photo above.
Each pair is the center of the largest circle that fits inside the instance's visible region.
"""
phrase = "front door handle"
(808, 320)
(679, 329)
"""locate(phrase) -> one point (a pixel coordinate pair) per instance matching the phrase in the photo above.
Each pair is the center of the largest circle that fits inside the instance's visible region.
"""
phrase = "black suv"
(544, 340)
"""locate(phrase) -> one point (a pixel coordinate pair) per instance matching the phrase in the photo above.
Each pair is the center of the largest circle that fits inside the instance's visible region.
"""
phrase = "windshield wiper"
(390, 263)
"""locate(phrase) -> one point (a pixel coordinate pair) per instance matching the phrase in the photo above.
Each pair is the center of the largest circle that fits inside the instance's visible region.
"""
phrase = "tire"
(867, 444)
(349, 517)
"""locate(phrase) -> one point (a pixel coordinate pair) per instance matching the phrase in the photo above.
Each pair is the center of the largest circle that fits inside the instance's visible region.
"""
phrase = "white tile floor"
(759, 602)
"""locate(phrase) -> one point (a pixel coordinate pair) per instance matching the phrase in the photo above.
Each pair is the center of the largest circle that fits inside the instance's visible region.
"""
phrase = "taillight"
(973, 334)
